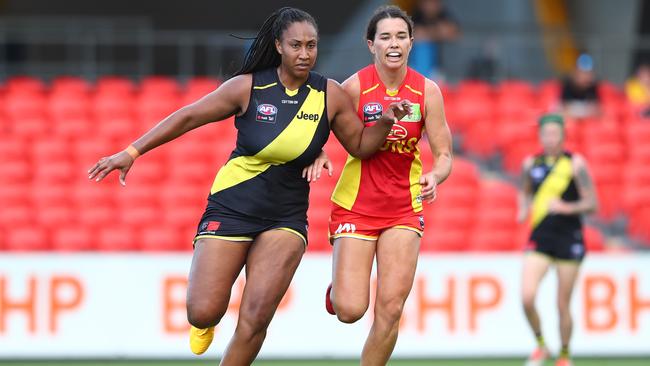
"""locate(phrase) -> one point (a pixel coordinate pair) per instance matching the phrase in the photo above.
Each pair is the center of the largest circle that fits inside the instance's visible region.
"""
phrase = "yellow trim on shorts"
(411, 228)
(354, 236)
(292, 231)
(221, 237)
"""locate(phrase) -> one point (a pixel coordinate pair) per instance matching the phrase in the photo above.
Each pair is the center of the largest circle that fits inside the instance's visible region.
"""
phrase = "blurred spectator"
(637, 88)
(579, 90)
(433, 25)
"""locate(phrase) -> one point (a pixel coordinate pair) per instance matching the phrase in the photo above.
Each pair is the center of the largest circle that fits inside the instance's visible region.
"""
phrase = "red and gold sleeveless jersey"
(386, 184)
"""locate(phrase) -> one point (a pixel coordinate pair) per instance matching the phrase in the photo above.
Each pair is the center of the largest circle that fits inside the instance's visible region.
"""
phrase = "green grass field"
(473, 362)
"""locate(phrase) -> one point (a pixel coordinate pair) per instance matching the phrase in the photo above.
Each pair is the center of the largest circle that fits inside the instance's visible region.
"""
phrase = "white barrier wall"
(461, 305)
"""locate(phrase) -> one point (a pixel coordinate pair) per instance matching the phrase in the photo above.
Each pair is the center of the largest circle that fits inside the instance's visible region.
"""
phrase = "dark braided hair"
(262, 53)
(388, 11)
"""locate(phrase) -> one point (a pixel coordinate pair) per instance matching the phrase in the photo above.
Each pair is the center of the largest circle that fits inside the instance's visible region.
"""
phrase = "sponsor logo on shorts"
(347, 227)
(372, 111)
(577, 250)
(209, 227)
(266, 113)
(421, 222)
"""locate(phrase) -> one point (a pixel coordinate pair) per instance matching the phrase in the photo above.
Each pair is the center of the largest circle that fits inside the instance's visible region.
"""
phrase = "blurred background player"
(377, 203)
(557, 189)
(256, 212)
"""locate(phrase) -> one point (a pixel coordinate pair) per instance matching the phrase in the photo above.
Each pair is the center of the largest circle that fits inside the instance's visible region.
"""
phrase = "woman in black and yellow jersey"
(557, 190)
(257, 208)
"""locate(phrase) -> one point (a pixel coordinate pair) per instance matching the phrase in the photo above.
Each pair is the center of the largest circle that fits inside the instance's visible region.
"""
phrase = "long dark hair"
(389, 11)
(262, 53)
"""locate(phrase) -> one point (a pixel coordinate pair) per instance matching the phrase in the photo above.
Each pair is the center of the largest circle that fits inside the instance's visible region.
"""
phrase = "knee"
(203, 314)
(389, 311)
(349, 311)
(528, 301)
(563, 308)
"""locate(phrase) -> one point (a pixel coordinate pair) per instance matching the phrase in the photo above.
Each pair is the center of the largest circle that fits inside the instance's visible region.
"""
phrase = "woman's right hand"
(121, 161)
(399, 109)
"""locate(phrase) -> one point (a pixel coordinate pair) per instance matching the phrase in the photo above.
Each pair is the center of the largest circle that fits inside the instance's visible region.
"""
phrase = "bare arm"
(525, 195)
(360, 141)
(438, 132)
(229, 99)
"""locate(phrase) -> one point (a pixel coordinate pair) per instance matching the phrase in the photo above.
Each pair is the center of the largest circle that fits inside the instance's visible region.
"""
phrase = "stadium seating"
(52, 134)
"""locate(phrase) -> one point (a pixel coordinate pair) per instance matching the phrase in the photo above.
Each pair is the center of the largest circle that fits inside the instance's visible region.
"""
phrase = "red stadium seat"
(111, 105)
(133, 196)
(495, 194)
(158, 85)
(198, 87)
(440, 239)
(494, 239)
(60, 171)
(594, 239)
(14, 193)
(117, 238)
(97, 215)
(54, 215)
(62, 107)
(70, 85)
(192, 172)
(181, 215)
(87, 151)
(117, 128)
(17, 171)
(25, 84)
(147, 171)
(27, 238)
(638, 132)
(15, 214)
(115, 84)
(151, 109)
(161, 238)
(140, 215)
(72, 239)
(14, 148)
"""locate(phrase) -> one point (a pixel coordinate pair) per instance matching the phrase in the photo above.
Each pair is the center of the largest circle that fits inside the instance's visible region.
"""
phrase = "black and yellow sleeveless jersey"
(553, 179)
(281, 132)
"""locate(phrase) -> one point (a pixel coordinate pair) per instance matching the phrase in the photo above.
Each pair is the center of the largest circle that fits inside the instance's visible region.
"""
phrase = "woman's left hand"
(429, 184)
(313, 171)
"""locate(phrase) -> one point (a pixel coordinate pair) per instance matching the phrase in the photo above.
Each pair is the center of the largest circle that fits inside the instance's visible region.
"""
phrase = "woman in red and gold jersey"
(377, 203)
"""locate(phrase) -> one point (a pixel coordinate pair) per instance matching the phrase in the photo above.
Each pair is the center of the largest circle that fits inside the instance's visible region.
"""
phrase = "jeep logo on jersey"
(308, 116)
(372, 111)
(397, 133)
(266, 113)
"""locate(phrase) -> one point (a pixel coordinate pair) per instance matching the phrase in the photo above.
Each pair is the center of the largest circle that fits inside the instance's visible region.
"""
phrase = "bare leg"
(535, 267)
(397, 255)
(271, 263)
(215, 266)
(567, 273)
(351, 268)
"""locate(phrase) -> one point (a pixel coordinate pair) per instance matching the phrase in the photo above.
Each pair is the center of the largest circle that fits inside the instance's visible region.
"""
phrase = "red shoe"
(563, 361)
(538, 357)
(328, 301)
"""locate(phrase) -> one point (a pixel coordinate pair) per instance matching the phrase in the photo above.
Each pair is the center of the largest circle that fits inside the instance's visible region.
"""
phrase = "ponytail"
(262, 53)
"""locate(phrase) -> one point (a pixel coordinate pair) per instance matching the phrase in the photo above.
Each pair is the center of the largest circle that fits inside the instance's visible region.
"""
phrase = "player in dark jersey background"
(557, 189)
(256, 213)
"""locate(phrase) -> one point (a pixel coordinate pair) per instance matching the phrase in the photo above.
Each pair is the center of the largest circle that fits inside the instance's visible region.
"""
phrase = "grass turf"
(472, 362)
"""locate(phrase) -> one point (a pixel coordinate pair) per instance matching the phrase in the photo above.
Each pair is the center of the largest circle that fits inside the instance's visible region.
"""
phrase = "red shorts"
(347, 224)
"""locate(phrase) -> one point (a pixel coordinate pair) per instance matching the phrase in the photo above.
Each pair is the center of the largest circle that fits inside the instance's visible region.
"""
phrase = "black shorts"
(219, 222)
(566, 246)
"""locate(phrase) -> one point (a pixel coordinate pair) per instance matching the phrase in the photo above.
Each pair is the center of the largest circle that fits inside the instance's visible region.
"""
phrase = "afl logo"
(372, 108)
(267, 109)
(266, 113)
(397, 133)
(372, 111)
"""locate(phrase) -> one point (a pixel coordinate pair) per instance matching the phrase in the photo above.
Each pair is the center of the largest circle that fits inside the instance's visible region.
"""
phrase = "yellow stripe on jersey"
(413, 90)
(265, 86)
(370, 89)
(287, 146)
(414, 179)
(553, 186)
(347, 188)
